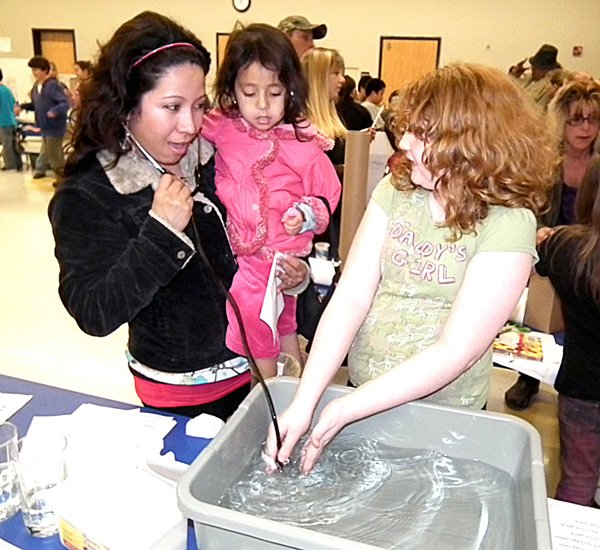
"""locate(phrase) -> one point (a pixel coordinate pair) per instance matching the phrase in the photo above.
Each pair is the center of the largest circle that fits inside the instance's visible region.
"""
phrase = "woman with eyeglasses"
(574, 117)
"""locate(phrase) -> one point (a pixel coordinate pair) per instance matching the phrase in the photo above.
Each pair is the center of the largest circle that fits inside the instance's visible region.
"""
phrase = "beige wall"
(493, 32)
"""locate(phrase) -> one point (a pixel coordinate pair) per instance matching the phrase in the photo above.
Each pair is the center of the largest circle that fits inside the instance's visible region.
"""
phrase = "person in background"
(361, 93)
(302, 33)
(11, 155)
(373, 102)
(353, 115)
(440, 259)
(271, 170)
(124, 227)
(536, 81)
(51, 105)
(570, 257)
(82, 70)
(574, 117)
(54, 74)
(324, 72)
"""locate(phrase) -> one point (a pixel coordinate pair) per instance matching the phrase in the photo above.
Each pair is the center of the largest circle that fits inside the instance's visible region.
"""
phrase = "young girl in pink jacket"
(271, 174)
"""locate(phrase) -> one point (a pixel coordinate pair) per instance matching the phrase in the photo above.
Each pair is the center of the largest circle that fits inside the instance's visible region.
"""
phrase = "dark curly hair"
(272, 49)
(118, 83)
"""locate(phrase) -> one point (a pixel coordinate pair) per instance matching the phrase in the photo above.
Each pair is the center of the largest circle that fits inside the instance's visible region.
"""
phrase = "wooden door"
(404, 59)
(57, 46)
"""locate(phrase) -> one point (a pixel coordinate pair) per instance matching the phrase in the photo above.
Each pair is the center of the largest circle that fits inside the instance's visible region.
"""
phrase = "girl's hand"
(543, 233)
(329, 424)
(293, 424)
(293, 272)
(173, 202)
(293, 220)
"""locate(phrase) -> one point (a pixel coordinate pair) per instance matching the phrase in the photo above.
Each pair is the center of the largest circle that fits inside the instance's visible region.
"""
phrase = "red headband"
(162, 48)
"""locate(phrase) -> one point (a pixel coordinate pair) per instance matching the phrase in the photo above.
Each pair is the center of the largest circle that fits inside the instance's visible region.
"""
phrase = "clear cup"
(9, 491)
(41, 469)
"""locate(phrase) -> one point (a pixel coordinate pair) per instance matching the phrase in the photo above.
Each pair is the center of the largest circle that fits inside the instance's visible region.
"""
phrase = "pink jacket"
(259, 175)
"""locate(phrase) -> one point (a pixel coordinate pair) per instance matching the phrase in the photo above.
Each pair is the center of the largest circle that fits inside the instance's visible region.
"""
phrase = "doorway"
(404, 59)
(57, 45)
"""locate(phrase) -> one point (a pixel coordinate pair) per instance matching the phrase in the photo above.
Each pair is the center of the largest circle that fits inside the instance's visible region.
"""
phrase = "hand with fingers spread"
(173, 202)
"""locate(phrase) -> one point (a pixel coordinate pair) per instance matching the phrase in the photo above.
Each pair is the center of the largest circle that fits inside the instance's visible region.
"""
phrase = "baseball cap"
(297, 22)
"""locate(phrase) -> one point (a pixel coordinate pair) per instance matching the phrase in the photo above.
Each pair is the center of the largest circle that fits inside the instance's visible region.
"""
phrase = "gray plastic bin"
(500, 440)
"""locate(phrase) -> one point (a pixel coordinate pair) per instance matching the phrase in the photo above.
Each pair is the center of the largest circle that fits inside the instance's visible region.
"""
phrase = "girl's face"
(260, 96)
(581, 128)
(414, 149)
(169, 117)
(335, 82)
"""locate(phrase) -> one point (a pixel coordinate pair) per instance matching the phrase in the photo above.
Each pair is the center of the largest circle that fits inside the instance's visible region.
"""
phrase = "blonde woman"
(324, 72)
(439, 261)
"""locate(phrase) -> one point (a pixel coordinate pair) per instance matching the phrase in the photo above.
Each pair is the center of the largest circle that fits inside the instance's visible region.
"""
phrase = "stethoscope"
(224, 290)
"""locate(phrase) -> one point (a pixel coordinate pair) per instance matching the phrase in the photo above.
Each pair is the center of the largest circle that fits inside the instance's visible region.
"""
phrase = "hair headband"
(162, 48)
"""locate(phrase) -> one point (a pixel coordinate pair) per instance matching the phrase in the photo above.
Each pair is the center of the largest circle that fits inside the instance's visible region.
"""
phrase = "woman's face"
(414, 149)
(581, 128)
(169, 117)
(335, 82)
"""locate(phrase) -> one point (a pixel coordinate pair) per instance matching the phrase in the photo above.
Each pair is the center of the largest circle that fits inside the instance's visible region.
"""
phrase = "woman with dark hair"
(570, 257)
(353, 114)
(439, 261)
(138, 182)
(82, 70)
(271, 170)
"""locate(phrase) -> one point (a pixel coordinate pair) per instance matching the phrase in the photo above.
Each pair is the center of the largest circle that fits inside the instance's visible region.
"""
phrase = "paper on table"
(107, 455)
(10, 403)
(573, 527)
(7, 546)
(273, 301)
(545, 370)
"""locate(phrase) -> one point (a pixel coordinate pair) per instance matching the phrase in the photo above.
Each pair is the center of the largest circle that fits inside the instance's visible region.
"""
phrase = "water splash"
(389, 497)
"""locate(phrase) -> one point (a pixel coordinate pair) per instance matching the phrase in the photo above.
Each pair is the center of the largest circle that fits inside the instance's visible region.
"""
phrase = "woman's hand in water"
(173, 202)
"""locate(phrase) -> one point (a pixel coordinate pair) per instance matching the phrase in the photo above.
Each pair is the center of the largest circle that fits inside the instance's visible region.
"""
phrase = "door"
(404, 59)
(57, 46)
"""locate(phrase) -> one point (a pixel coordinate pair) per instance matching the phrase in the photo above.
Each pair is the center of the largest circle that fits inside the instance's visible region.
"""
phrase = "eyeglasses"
(578, 120)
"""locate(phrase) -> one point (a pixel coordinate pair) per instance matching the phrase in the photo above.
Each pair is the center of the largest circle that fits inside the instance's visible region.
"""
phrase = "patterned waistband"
(215, 373)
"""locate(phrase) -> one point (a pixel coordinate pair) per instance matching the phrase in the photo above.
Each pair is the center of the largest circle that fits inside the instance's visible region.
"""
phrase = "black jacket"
(119, 265)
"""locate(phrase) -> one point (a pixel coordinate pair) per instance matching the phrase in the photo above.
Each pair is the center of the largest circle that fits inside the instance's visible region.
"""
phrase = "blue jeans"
(579, 423)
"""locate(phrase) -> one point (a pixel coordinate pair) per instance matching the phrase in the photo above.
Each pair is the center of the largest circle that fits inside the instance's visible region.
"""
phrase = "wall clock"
(241, 5)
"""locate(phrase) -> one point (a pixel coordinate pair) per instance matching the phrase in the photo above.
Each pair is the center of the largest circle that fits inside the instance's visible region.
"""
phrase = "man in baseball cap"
(301, 32)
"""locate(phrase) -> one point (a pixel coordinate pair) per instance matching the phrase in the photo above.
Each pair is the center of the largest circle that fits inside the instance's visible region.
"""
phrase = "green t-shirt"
(421, 273)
